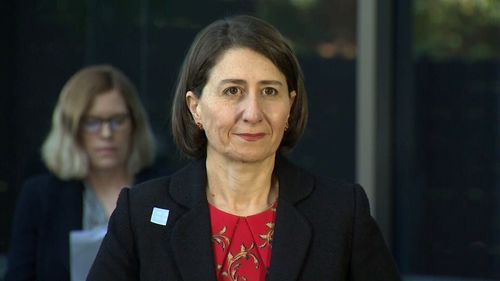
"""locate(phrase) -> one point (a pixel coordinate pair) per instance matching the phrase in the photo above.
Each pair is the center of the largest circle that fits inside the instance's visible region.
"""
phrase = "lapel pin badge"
(159, 216)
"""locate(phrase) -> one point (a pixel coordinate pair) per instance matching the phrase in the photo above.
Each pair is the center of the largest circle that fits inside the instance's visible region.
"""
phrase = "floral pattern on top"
(242, 245)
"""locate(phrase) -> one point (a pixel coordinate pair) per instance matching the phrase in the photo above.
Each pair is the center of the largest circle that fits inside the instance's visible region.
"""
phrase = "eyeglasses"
(94, 125)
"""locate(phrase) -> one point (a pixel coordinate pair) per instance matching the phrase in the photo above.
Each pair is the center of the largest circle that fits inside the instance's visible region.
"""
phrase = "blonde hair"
(61, 150)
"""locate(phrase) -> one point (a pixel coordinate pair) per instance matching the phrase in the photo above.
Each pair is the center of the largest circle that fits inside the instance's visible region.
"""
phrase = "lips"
(252, 137)
(105, 151)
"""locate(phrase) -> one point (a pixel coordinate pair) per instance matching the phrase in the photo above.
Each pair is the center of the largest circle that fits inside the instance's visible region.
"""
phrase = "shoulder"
(336, 186)
(328, 193)
(151, 187)
(328, 188)
(39, 179)
(176, 192)
(149, 194)
(44, 183)
(47, 190)
(340, 193)
(149, 173)
(136, 205)
(305, 184)
(185, 186)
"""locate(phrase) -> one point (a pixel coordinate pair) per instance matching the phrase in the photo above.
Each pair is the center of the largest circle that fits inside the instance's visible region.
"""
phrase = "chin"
(107, 164)
(252, 157)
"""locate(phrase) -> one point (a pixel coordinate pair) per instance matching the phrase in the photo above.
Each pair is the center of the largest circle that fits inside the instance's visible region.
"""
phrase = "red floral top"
(242, 245)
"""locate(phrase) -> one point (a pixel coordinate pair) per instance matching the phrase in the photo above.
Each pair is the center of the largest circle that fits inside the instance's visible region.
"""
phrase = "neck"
(109, 179)
(108, 184)
(241, 188)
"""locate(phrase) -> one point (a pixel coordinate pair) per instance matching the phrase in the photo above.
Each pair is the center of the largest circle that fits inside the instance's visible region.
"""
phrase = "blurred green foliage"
(315, 27)
(466, 29)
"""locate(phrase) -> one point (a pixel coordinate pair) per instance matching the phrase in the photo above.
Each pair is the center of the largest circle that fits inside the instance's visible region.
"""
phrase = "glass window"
(447, 176)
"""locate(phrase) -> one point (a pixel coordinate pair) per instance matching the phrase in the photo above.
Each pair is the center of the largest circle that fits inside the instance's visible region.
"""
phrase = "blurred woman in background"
(100, 142)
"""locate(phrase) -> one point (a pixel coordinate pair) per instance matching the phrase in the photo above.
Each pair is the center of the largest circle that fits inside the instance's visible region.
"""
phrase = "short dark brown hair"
(205, 51)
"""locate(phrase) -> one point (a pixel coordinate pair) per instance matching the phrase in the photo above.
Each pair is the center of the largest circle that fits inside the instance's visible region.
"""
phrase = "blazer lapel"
(290, 243)
(191, 235)
(191, 245)
(293, 233)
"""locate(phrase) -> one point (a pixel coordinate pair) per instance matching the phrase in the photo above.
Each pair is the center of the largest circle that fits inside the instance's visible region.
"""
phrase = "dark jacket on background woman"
(48, 209)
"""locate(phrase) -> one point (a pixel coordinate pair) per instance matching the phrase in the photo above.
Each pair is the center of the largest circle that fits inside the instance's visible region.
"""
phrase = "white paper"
(84, 245)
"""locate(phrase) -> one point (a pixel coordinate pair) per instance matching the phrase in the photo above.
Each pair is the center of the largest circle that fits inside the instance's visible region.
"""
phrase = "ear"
(192, 102)
(293, 94)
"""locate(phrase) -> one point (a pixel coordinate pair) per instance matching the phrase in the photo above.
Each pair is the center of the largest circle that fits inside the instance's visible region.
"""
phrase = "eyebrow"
(97, 116)
(243, 82)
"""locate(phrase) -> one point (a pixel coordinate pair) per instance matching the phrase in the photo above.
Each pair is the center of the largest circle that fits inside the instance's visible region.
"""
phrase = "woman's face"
(105, 132)
(244, 106)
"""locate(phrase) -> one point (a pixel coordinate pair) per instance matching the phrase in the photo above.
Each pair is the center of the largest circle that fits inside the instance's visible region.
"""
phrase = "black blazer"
(323, 232)
(46, 211)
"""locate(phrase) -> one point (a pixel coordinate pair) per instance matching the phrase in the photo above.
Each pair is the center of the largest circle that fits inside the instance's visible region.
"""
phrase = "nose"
(105, 130)
(252, 112)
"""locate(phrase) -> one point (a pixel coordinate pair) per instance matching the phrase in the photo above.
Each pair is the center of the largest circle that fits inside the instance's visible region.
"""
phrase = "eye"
(91, 122)
(268, 91)
(119, 119)
(232, 91)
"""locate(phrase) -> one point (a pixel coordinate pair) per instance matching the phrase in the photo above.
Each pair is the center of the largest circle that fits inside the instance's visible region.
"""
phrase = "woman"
(239, 106)
(100, 141)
